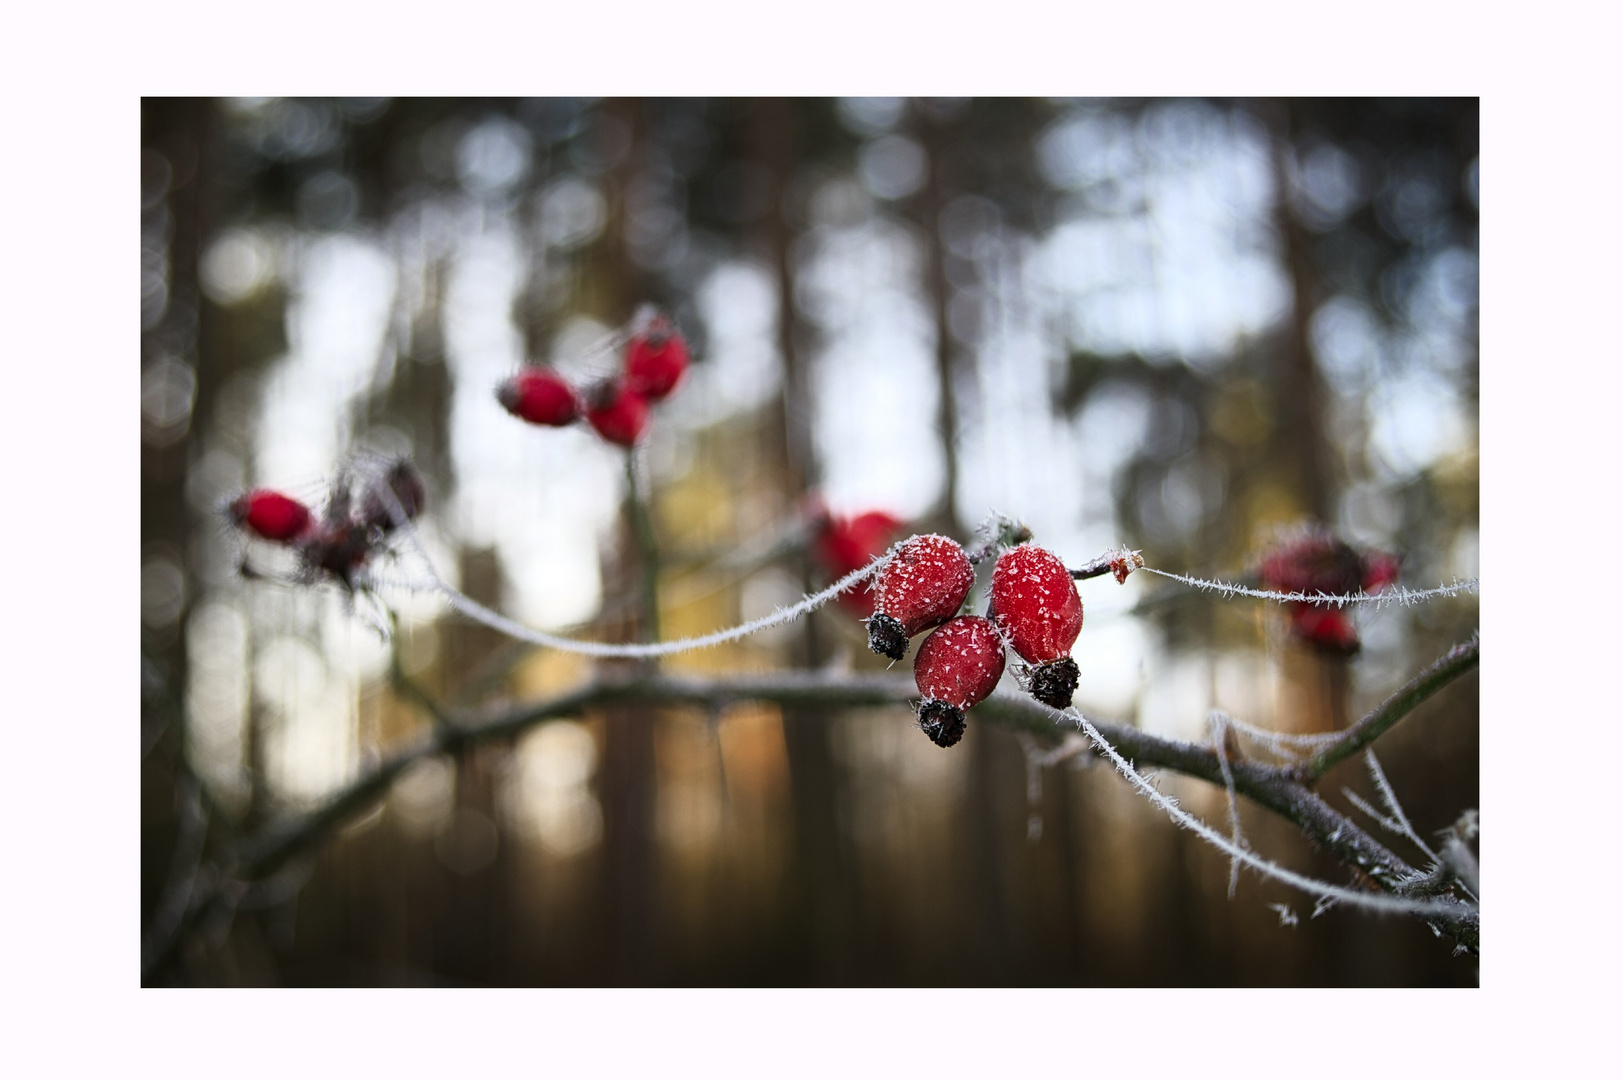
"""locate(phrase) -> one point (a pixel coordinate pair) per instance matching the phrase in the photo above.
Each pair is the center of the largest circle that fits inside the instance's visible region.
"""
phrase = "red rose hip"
(923, 584)
(617, 414)
(847, 544)
(656, 360)
(1320, 562)
(1036, 605)
(956, 668)
(270, 514)
(539, 396)
(1326, 629)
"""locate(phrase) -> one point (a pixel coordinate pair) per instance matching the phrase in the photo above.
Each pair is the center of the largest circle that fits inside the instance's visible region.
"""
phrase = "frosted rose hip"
(1035, 603)
(922, 585)
(958, 665)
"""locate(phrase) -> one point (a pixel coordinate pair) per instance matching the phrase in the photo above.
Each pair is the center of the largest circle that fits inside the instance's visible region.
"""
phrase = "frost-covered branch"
(1398, 596)
(1278, 788)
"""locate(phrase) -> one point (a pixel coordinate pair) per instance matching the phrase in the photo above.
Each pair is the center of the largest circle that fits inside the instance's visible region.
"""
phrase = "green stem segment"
(1460, 659)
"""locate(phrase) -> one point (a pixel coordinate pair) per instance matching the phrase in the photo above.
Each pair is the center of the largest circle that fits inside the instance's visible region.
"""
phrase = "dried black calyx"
(942, 722)
(1053, 683)
(886, 636)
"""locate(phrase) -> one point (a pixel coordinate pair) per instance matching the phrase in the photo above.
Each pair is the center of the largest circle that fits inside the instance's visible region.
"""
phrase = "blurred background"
(1182, 325)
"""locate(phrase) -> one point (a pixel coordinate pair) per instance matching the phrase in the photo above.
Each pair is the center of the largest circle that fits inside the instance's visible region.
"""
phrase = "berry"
(923, 584)
(656, 360)
(539, 396)
(338, 546)
(1328, 629)
(408, 491)
(1315, 563)
(956, 668)
(846, 544)
(270, 514)
(1319, 562)
(617, 414)
(1036, 605)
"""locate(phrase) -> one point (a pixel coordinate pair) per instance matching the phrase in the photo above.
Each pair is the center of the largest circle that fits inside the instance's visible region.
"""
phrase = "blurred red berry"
(338, 547)
(1328, 629)
(656, 360)
(1036, 605)
(1320, 562)
(923, 585)
(1315, 563)
(846, 544)
(958, 665)
(617, 414)
(270, 514)
(539, 396)
(1380, 569)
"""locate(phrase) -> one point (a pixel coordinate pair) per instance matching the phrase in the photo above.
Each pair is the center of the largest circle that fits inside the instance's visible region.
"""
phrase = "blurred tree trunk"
(178, 132)
(629, 779)
(933, 199)
(1316, 685)
(822, 882)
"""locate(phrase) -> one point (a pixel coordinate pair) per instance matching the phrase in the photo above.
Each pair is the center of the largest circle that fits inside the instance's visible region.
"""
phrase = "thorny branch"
(1284, 789)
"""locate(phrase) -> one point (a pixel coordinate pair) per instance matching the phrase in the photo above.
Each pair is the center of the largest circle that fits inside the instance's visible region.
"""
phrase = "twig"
(1460, 659)
(1218, 721)
(1454, 912)
(170, 913)
(1380, 599)
(1390, 798)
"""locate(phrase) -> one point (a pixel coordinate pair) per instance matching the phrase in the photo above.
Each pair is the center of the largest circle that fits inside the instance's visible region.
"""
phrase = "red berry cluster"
(340, 541)
(1320, 562)
(617, 408)
(1035, 610)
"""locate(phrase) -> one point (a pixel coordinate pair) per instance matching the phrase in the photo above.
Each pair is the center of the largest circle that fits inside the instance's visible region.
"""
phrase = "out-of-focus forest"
(1186, 326)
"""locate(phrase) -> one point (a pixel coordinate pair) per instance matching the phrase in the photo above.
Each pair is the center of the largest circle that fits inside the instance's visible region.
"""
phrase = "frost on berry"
(656, 360)
(617, 414)
(1036, 605)
(922, 584)
(539, 396)
(270, 514)
(958, 665)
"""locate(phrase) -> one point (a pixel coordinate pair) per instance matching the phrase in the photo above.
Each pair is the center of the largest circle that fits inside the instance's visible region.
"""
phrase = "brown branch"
(1279, 788)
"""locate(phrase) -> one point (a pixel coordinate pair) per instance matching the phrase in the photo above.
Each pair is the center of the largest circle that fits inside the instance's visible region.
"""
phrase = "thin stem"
(405, 684)
(1458, 660)
(642, 528)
